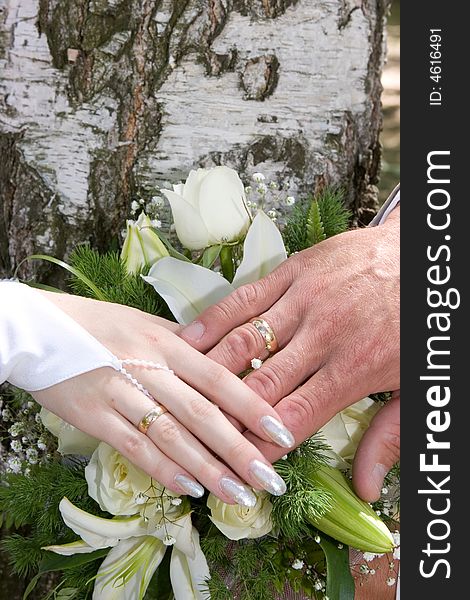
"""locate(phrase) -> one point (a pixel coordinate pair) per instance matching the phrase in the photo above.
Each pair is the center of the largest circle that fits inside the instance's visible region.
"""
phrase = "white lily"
(210, 208)
(137, 549)
(142, 246)
(189, 289)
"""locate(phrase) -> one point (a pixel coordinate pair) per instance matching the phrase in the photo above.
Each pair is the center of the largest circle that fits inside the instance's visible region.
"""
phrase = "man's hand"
(335, 311)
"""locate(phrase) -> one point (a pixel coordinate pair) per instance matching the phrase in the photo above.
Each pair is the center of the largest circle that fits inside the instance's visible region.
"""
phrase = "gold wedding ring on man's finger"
(150, 418)
(267, 333)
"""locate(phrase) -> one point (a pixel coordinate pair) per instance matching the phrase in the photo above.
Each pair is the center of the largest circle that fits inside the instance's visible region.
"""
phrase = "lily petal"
(263, 251)
(181, 530)
(189, 575)
(71, 440)
(99, 532)
(190, 228)
(127, 570)
(188, 289)
(79, 547)
(222, 205)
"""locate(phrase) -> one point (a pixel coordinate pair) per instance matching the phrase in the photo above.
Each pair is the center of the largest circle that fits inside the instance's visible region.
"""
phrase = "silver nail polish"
(267, 478)
(191, 487)
(277, 431)
(239, 492)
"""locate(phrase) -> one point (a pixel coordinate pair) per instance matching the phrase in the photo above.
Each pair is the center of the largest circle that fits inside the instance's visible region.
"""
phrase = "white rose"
(210, 208)
(345, 430)
(71, 440)
(121, 488)
(237, 522)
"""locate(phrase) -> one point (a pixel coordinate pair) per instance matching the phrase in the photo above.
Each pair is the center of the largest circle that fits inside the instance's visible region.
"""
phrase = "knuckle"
(216, 377)
(168, 430)
(391, 443)
(298, 411)
(236, 451)
(201, 409)
(267, 382)
(133, 445)
(247, 294)
(243, 342)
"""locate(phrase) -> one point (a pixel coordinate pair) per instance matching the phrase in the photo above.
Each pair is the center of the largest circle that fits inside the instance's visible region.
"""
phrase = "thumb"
(378, 451)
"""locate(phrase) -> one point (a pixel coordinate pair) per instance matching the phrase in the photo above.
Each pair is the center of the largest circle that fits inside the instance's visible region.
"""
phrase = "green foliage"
(292, 510)
(110, 276)
(313, 221)
(340, 584)
(32, 502)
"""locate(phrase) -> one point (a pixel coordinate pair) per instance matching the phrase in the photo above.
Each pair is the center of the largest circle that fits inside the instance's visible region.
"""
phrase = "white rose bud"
(142, 246)
(210, 208)
(237, 522)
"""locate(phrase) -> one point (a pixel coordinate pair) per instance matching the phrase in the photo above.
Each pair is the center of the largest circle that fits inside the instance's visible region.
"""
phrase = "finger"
(243, 304)
(240, 346)
(229, 393)
(283, 372)
(310, 406)
(174, 441)
(378, 451)
(207, 424)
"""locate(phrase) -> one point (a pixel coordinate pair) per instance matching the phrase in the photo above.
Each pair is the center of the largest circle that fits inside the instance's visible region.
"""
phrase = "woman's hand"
(335, 311)
(181, 446)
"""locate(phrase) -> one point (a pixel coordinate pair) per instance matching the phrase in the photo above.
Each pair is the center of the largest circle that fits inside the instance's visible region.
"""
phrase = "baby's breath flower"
(262, 188)
(37, 418)
(7, 414)
(290, 201)
(32, 456)
(169, 540)
(15, 429)
(248, 189)
(396, 553)
(298, 564)
(317, 539)
(391, 581)
(140, 498)
(176, 501)
(135, 206)
(16, 446)
(318, 585)
(384, 491)
(258, 177)
(156, 223)
(369, 556)
(371, 571)
(14, 464)
(41, 445)
(273, 185)
(364, 569)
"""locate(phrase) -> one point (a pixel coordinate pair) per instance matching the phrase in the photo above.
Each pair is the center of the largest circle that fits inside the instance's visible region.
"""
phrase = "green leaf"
(226, 261)
(58, 562)
(97, 292)
(169, 246)
(210, 255)
(339, 581)
(315, 229)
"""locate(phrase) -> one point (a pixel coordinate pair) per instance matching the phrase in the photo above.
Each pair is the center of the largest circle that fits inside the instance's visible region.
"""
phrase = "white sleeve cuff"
(40, 345)
(387, 207)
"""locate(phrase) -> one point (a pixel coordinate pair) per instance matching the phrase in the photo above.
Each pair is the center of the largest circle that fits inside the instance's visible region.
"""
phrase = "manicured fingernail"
(378, 474)
(194, 332)
(238, 492)
(277, 432)
(267, 477)
(191, 487)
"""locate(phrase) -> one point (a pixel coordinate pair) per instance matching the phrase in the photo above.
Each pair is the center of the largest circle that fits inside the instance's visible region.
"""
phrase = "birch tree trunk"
(103, 100)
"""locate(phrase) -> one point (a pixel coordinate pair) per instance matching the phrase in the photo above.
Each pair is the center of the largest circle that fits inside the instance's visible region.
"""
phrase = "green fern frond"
(315, 229)
(315, 220)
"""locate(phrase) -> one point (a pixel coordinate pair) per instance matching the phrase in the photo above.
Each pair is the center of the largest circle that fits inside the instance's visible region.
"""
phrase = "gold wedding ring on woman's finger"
(150, 418)
(267, 333)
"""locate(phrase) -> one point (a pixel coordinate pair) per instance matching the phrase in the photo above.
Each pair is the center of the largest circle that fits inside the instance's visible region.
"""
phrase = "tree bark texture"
(101, 101)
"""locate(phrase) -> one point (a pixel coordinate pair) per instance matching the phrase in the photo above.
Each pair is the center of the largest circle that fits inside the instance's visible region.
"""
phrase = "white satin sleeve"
(40, 345)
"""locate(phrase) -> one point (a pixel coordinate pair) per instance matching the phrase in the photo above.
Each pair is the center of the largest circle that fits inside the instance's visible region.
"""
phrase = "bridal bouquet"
(109, 530)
